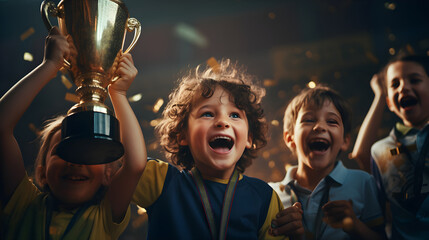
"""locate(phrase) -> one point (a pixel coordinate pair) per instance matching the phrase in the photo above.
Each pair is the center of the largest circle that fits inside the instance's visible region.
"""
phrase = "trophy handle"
(133, 25)
(47, 9)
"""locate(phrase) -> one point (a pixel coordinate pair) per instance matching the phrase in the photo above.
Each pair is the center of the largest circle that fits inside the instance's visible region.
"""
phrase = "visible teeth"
(319, 140)
(220, 137)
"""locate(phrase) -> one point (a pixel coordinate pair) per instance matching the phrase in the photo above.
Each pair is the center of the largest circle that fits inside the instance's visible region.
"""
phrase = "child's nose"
(319, 127)
(222, 123)
(405, 86)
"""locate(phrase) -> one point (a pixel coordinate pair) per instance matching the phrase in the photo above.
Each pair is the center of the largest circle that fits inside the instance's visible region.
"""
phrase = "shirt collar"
(339, 173)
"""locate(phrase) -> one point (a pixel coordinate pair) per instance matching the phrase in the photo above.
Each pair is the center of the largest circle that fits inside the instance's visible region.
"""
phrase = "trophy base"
(90, 138)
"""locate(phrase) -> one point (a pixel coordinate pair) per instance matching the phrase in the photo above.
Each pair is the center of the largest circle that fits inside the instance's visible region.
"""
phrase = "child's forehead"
(215, 92)
(313, 105)
(405, 68)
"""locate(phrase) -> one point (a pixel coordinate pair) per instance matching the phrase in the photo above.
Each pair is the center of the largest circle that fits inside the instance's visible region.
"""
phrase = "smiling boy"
(323, 199)
(401, 160)
(212, 127)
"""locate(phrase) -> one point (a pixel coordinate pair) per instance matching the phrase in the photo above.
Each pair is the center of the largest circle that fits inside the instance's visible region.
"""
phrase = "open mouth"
(319, 145)
(221, 143)
(408, 102)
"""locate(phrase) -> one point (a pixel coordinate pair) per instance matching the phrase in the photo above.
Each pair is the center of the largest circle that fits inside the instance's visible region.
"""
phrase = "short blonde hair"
(51, 127)
(245, 93)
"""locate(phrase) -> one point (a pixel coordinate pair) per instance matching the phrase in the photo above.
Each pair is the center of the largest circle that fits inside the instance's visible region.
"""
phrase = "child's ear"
(249, 142)
(42, 175)
(346, 143)
(182, 140)
(289, 140)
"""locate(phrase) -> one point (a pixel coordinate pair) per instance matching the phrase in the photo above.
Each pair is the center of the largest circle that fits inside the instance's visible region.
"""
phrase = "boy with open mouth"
(323, 199)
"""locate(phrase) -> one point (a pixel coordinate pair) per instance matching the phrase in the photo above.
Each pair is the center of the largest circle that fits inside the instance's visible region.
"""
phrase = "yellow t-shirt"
(24, 217)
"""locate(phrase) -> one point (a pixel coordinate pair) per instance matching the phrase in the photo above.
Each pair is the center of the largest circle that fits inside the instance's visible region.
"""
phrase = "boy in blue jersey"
(212, 128)
(400, 161)
(323, 199)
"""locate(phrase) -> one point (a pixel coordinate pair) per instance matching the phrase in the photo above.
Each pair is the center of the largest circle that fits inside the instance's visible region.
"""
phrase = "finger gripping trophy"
(96, 30)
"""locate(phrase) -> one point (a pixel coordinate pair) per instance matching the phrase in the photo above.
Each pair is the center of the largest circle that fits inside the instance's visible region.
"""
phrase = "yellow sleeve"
(275, 207)
(151, 183)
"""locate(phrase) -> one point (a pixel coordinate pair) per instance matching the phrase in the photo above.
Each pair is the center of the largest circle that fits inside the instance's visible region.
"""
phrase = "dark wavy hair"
(244, 91)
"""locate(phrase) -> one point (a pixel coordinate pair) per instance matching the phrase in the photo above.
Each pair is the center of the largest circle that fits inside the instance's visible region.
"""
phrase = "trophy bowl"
(97, 30)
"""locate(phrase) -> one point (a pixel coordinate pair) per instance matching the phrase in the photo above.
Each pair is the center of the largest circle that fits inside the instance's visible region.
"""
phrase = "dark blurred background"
(287, 44)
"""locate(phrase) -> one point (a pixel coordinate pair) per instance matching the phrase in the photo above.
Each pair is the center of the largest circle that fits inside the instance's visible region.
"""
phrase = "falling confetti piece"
(410, 49)
(275, 123)
(27, 33)
(28, 57)
(34, 129)
(72, 97)
(66, 82)
(135, 98)
(272, 15)
(158, 105)
(155, 122)
(213, 64)
(270, 82)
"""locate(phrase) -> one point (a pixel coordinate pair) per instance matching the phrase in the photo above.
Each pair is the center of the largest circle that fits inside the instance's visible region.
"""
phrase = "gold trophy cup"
(97, 28)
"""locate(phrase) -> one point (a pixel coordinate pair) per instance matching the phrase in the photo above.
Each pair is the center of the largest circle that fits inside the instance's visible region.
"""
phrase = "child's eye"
(332, 121)
(235, 115)
(394, 84)
(207, 114)
(307, 120)
(414, 80)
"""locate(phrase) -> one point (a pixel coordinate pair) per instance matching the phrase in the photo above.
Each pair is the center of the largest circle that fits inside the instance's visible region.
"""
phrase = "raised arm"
(372, 122)
(124, 182)
(16, 101)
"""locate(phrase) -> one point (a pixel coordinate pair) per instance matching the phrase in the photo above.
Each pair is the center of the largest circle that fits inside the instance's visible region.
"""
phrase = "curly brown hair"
(244, 91)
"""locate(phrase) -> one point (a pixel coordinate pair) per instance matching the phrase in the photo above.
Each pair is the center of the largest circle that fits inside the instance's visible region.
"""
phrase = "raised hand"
(126, 72)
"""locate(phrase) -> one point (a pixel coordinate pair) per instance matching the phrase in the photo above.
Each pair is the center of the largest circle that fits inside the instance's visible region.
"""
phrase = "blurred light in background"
(191, 35)
(28, 57)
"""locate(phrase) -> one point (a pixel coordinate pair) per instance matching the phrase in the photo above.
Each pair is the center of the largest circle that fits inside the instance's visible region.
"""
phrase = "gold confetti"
(34, 129)
(137, 97)
(371, 57)
(158, 105)
(66, 81)
(275, 123)
(28, 57)
(27, 33)
(72, 97)
(270, 82)
(410, 49)
(155, 122)
(213, 64)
